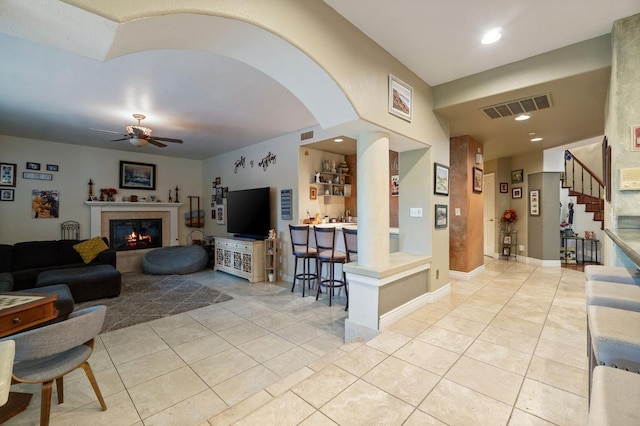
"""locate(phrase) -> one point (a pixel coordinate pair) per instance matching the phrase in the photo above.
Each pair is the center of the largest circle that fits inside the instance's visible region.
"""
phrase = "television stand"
(242, 257)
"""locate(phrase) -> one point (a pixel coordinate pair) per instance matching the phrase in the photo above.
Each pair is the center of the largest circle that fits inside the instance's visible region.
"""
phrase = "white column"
(373, 199)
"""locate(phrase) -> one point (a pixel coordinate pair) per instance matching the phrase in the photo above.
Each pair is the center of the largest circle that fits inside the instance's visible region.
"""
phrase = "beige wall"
(77, 165)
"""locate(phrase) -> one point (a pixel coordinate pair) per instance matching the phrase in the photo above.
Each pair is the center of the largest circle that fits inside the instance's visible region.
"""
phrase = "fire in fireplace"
(135, 234)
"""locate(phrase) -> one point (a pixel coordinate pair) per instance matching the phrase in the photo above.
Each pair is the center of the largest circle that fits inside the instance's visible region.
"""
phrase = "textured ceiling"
(56, 84)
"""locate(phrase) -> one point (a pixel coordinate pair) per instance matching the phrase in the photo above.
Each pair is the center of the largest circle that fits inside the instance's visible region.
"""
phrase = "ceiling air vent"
(520, 106)
(306, 135)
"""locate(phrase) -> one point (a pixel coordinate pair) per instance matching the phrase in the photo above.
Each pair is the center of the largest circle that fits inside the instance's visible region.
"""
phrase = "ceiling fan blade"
(105, 131)
(156, 143)
(168, 139)
(121, 139)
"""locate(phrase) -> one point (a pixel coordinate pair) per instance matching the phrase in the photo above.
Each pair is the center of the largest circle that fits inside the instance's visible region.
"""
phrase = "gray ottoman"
(175, 260)
(85, 283)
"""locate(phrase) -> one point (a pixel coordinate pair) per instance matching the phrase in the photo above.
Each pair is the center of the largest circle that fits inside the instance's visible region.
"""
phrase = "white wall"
(78, 164)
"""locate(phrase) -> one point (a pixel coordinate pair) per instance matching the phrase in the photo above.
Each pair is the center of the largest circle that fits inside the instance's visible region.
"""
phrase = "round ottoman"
(175, 260)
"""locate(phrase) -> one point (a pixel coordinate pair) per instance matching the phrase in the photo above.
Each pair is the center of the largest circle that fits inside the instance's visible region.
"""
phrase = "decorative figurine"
(177, 201)
(90, 190)
(170, 199)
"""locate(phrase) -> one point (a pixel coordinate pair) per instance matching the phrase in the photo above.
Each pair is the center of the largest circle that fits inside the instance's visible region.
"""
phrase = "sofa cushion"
(90, 249)
(34, 254)
(6, 252)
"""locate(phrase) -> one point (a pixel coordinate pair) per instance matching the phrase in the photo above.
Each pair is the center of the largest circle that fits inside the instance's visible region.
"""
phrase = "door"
(489, 192)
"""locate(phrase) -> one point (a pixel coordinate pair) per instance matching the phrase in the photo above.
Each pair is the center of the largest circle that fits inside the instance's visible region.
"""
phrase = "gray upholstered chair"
(48, 353)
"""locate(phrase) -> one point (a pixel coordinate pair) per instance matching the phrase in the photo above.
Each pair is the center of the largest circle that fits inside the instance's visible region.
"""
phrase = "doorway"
(489, 192)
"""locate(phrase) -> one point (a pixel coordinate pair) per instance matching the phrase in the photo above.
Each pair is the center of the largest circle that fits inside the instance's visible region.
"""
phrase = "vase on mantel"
(507, 227)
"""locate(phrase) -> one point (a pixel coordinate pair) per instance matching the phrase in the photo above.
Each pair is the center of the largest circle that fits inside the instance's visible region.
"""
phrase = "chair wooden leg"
(60, 389)
(45, 403)
(94, 384)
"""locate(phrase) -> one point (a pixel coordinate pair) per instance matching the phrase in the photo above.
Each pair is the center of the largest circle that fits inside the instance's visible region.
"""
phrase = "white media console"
(241, 257)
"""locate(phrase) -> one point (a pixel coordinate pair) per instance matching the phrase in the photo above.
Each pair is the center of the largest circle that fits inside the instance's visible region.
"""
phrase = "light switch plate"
(457, 211)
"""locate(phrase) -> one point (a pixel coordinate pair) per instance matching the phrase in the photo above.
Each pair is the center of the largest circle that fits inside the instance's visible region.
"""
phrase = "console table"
(241, 257)
(593, 245)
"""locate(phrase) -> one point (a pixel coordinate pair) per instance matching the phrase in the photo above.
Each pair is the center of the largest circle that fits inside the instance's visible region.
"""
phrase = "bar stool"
(615, 339)
(327, 253)
(302, 251)
(612, 295)
(615, 395)
(350, 244)
(613, 274)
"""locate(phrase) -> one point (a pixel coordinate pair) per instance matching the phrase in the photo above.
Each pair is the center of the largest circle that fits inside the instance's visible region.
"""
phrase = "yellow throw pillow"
(90, 249)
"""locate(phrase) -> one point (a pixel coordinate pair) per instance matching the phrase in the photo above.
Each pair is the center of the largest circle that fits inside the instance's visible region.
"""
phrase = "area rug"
(149, 297)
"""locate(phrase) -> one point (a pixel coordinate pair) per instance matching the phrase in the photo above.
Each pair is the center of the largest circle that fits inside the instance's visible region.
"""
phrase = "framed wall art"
(220, 214)
(8, 174)
(137, 175)
(534, 202)
(477, 180)
(441, 216)
(400, 98)
(517, 176)
(635, 138)
(53, 167)
(440, 179)
(516, 193)
(504, 187)
(7, 194)
(33, 166)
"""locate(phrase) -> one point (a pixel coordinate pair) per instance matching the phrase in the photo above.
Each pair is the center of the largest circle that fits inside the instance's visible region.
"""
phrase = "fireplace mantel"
(99, 207)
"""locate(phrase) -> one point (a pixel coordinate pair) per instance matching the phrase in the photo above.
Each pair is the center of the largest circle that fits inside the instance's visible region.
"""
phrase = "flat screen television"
(249, 213)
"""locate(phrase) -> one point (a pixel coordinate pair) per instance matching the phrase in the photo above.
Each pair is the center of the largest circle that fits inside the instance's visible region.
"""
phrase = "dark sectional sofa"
(21, 263)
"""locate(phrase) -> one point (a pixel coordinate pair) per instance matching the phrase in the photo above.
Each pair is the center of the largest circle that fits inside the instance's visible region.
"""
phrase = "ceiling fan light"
(138, 130)
(136, 141)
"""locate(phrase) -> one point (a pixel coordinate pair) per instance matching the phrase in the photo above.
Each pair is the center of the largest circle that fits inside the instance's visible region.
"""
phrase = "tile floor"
(505, 348)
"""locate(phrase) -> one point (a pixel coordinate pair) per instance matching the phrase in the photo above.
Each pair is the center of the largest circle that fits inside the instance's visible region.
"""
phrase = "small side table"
(592, 242)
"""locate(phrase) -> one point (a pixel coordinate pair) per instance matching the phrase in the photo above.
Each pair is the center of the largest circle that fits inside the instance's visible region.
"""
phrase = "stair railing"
(580, 180)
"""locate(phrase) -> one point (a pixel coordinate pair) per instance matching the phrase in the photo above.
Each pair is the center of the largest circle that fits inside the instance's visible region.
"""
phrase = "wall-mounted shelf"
(333, 184)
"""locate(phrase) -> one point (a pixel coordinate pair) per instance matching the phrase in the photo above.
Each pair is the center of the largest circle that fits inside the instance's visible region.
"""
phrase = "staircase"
(585, 186)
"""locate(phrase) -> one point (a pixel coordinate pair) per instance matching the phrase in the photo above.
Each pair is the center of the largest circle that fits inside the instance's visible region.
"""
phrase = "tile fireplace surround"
(102, 212)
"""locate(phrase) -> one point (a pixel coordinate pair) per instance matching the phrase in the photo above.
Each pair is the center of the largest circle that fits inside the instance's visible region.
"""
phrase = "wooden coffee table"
(19, 311)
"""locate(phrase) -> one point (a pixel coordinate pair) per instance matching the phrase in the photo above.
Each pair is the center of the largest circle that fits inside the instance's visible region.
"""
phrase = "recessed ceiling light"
(538, 139)
(492, 36)
(522, 117)
(338, 140)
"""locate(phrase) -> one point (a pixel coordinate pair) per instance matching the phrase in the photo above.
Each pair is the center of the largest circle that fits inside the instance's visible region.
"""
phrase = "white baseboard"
(466, 276)
(413, 305)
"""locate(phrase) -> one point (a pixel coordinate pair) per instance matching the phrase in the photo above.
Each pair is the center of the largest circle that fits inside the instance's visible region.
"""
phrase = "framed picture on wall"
(516, 193)
(7, 194)
(517, 176)
(7, 174)
(137, 175)
(400, 98)
(534, 202)
(220, 214)
(477, 180)
(440, 179)
(441, 218)
(504, 187)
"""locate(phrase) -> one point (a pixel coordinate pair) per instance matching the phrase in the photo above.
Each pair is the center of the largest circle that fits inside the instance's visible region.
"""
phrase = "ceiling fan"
(140, 136)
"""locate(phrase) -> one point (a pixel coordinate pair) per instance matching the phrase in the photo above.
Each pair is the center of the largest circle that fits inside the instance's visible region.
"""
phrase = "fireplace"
(135, 234)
